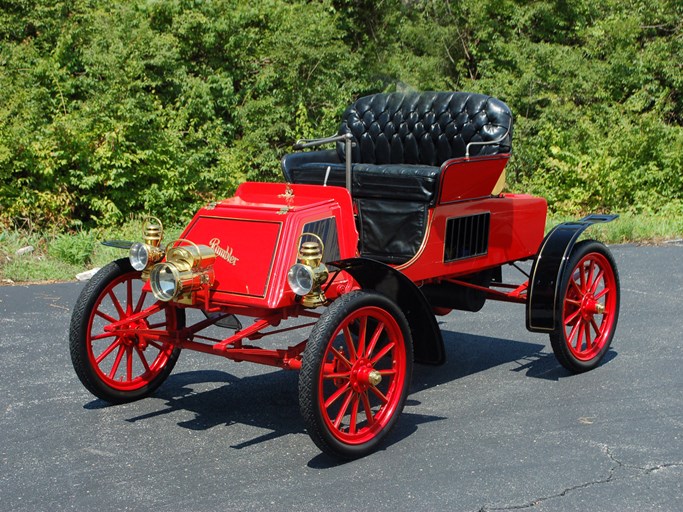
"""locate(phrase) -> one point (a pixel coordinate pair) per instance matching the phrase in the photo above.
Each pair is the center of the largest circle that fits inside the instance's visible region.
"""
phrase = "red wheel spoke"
(344, 408)
(573, 332)
(105, 316)
(582, 279)
(341, 357)
(141, 355)
(375, 338)
(362, 332)
(117, 362)
(349, 343)
(598, 279)
(129, 363)
(388, 348)
(579, 337)
(589, 275)
(570, 319)
(141, 302)
(595, 326)
(337, 375)
(108, 350)
(601, 293)
(379, 394)
(335, 396)
(103, 336)
(578, 291)
(117, 304)
(587, 329)
(129, 297)
(353, 423)
(368, 409)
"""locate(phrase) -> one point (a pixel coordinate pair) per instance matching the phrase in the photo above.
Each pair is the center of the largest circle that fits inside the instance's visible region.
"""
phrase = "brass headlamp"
(187, 268)
(143, 255)
(306, 277)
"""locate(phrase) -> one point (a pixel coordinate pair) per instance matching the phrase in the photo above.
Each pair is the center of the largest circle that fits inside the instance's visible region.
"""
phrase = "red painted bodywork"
(257, 232)
(516, 231)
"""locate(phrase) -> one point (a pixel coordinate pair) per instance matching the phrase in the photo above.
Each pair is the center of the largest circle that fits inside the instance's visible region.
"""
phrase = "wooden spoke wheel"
(589, 307)
(355, 374)
(112, 360)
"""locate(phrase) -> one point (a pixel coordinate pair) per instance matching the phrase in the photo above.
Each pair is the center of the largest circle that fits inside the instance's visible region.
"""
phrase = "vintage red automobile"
(402, 220)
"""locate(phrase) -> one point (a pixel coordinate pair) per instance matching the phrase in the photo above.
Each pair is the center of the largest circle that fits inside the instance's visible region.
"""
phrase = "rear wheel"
(112, 360)
(589, 309)
(355, 374)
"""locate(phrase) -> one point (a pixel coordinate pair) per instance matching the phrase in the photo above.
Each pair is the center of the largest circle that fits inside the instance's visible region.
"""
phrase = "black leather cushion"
(390, 230)
(425, 128)
(391, 181)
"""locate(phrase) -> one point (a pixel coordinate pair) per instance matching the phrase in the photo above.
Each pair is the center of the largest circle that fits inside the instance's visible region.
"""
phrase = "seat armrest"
(295, 160)
(311, 143)
(347, 138)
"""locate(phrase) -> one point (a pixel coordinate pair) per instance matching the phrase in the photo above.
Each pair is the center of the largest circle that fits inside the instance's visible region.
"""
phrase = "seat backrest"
(425, 128)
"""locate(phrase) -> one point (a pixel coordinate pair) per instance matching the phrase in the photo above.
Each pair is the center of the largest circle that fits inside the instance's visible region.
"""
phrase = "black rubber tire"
(80, 330)
(310, 375)
(558, 339)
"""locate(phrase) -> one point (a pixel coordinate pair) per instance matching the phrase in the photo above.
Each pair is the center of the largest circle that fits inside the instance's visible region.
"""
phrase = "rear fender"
(427, 341)
(548, 268)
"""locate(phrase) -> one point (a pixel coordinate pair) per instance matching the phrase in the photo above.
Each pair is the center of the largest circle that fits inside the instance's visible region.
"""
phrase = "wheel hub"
(363, 376)
(131, 339)
(590, 307)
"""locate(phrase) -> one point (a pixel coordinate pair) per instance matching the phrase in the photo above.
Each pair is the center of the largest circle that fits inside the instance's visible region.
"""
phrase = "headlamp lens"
(164, 281)
(300, 278)
(139, 256)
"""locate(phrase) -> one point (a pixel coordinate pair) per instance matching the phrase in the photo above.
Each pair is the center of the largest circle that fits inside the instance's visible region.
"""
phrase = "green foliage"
(119, 107)
(74, 249)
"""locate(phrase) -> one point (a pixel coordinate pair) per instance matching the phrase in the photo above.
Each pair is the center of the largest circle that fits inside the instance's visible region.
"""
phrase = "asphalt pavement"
(501, 426)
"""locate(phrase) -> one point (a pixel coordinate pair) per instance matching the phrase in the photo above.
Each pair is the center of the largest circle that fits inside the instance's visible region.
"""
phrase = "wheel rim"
(589, 306)
(127, 361)
(362, 375)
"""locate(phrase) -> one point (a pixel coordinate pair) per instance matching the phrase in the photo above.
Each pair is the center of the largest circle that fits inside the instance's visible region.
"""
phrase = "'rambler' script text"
(226, 253)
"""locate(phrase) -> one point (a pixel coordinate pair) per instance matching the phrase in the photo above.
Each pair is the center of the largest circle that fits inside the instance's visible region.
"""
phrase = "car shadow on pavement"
(269, 401)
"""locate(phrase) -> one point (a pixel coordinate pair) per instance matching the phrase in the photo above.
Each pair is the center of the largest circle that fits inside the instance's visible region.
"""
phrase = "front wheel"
(355, 374)
(116, 336)
(589, 308)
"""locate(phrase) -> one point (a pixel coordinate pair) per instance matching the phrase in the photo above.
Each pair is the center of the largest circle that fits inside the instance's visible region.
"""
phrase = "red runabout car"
(401, 219)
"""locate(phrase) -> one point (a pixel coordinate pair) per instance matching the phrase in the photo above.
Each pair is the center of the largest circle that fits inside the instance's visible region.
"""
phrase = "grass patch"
(631, 228)
(59, 257)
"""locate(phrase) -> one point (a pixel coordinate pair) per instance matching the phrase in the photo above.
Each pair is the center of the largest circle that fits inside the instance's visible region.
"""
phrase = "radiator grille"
(467, 237)
(326, 229)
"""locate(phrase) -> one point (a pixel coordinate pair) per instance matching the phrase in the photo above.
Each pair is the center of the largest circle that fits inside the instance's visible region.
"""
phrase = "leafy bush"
(75, 249)
(109, 108)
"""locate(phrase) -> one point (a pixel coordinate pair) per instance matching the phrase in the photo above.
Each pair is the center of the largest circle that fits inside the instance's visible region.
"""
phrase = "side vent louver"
(326, 229)
(467, 237)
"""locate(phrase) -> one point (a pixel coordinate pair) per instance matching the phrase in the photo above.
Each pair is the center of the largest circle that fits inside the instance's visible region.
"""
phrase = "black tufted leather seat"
(401, 142)
(424, 128)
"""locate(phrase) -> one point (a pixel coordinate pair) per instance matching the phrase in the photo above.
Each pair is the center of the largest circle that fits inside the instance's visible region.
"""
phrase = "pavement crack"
(616, 464)
(663, 466)
(646, 470)
(538, 501)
